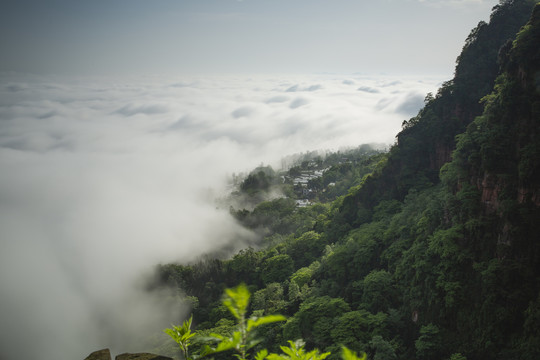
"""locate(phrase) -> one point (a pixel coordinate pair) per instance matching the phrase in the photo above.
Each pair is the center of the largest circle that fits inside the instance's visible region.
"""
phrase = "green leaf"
(255, 322)
(276, 357)
(351, 355)
(261, 354)
(237, 300)
(217, 336)
(181, 335)
(293, 352)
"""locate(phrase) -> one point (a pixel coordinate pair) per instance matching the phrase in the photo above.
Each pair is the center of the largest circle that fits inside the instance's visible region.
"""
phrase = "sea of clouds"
(103, 178)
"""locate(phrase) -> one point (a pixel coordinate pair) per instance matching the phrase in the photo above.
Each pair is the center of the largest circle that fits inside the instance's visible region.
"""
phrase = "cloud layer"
(104, 178)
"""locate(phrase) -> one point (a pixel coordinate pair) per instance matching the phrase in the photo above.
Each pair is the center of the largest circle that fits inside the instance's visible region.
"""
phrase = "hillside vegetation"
(435, 254)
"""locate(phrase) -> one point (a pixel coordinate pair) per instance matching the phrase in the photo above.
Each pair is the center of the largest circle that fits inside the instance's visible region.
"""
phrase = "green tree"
(428, 345)
(379, 292)
(353, 329)
(244, 266)
(270, 299)
(277, 268)
(306, 248)
(381, 349)
(316, 318)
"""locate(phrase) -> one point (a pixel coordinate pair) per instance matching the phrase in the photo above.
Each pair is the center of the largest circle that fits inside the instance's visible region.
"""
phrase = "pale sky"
(236, 36)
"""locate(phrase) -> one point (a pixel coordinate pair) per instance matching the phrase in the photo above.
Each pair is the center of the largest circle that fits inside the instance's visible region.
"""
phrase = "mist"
(104, 178)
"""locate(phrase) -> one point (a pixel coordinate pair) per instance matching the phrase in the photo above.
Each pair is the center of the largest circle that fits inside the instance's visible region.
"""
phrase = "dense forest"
(427, 251)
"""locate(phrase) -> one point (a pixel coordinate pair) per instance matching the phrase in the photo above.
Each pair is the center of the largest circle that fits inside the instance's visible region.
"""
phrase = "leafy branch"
(243, 339)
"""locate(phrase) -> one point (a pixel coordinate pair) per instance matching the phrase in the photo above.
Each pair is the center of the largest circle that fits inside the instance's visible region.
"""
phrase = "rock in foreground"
(141, 356)
(105, 354)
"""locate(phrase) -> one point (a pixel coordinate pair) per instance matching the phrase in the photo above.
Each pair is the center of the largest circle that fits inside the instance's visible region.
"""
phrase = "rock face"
(104, 354)
(141, 356)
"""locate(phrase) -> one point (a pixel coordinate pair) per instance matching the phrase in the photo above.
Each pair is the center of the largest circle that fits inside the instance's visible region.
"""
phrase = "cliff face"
(507, 135)
(490, 187)
(524, 66)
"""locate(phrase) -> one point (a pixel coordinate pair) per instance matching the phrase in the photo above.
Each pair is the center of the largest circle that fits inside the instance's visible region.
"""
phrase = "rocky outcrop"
(105, 354)
(442, 155)
(141, 356)
(490, 188)
(529, 194)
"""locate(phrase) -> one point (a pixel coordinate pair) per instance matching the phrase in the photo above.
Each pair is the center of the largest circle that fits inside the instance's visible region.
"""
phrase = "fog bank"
(102, 179)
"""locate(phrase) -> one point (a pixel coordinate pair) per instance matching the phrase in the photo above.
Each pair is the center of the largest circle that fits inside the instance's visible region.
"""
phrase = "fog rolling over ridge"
(102, 179)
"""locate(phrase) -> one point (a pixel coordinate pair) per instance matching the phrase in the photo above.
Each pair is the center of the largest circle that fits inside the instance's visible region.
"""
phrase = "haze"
(249, 36)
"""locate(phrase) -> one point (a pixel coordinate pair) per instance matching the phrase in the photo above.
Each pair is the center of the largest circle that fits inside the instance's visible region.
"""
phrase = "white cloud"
(297, 87)
(149, 109)
(412, 102)
(103, 178)
(368, 89)
(242, 112)
(277, 99)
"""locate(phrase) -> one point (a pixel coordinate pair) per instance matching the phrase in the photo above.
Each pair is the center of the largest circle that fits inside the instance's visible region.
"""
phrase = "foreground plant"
(296, 351)
(237, 301)
(243, 339)
(182, 335)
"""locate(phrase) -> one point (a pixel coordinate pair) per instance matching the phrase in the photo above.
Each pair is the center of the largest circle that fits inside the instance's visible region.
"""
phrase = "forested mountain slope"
(431, 257)
(427, 140)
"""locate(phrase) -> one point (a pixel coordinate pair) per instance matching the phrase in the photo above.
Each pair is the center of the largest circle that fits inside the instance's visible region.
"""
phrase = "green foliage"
(428, 344)
(302, 276)
(237, 301)
(277, 268)
(354, 329)
(382, 349)
(182, 335)
(531, 342)
(243, 339)
(306, 248)
(259, 180)
(378, 291)
(457, 356)
(316, 317)
(296, 352)
(351, 355)
(242, 267)
(270, 299)
(338, 179)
